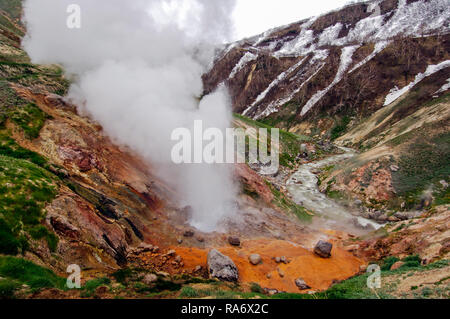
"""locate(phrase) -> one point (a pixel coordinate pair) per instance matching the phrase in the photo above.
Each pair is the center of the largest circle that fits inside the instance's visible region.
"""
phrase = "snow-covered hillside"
(307, 64)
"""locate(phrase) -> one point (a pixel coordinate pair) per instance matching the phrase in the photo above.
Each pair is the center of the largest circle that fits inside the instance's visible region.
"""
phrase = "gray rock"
(255, 259)
(234, 241)
(171, 253)
(221, 266)
(323, 249)
(280, 272)
(301, 284)
(358, 202)
(375, 215)
(382, 218)
(143, 247)
(188, 233)
(407, 215)
(395, 168)
(150, 279)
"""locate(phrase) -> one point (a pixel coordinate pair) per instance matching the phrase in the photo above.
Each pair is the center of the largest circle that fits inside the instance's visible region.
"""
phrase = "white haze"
(137, 69)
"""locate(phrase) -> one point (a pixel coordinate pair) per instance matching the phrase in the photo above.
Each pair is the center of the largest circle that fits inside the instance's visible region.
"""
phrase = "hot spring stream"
(303, 186)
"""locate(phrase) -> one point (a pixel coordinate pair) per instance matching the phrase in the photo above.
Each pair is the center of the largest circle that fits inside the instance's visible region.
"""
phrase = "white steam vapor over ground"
(137, 69)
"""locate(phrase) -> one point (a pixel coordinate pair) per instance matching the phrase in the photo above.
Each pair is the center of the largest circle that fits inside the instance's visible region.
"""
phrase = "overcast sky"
(256, 16)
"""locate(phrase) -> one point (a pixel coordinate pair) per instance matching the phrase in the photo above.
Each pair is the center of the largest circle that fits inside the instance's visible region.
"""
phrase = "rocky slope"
(69, 195)
(373, 75)
(346, 61)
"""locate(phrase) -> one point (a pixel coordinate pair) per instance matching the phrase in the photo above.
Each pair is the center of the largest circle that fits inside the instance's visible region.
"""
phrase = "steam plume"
(137, 69)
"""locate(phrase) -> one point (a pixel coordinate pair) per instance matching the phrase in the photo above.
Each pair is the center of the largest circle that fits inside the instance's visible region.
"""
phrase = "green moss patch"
(25, 189)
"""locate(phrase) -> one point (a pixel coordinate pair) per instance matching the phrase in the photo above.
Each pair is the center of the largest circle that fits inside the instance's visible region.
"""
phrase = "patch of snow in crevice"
(379, 46)
(444, 88)
(247, 58)
(396, 93)
(273, 107)
(302, 44)
(275, 82)
(330, 34)
(363, 30)
(346, 60)
(416, 18)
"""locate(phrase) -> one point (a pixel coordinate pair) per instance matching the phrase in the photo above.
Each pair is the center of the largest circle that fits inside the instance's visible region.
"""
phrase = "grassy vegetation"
(8, 147)
(290, 143)
(12, 7)
(17, 272)
(25, 115)
(288, 205)
(356, 287)
(89, 287)
(425, 163)
(25, 189)
(340, 128)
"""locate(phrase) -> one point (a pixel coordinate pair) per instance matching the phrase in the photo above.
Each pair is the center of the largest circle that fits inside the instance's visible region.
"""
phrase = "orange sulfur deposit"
(317, 272)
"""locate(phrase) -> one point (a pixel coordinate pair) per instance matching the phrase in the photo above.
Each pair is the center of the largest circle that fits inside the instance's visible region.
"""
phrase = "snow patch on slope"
(273, 107)
(346, 60)
(396, 93)
(275, 82)
(247, 58)
(444, 88)
(379, 46)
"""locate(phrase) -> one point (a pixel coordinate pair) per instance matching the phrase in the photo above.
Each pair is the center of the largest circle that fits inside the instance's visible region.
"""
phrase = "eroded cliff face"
(344, 63)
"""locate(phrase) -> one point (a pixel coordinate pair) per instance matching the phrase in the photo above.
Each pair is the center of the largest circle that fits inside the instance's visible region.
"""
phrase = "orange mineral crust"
(318, 273)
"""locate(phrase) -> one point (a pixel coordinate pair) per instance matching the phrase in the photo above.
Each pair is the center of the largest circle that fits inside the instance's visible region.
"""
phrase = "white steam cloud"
(137, 67)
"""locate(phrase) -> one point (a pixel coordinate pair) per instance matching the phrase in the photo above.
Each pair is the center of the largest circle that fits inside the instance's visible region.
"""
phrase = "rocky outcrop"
(255, 259)
(323, 249)
(428, 237)
(221, 266)
(234, 241)
(301, 284)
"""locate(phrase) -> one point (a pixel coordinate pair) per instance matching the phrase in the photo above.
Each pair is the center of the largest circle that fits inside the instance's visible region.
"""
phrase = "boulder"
(188, 233)
(200, 239)
(280, 272)
(234, 241)
(255, 259)
(323, 249)
(221, 266)
(150, 279)
(382, 218)
(301, 284)
(171, 253)
(407, 215)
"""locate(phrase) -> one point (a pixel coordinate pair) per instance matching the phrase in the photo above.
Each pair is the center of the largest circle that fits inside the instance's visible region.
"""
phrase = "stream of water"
(303, 186)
